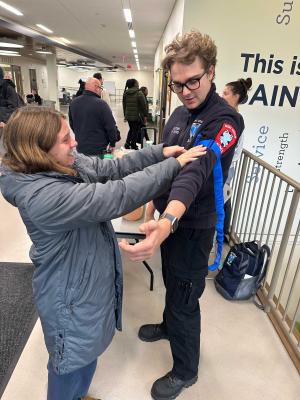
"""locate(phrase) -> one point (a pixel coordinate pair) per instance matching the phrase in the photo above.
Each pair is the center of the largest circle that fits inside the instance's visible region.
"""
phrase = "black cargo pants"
(185, 256)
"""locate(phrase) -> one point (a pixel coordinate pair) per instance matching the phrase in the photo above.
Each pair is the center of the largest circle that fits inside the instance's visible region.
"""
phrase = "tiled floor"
(241, 356)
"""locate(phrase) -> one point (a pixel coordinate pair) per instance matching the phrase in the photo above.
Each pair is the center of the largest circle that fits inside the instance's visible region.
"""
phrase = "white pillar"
(52, 79)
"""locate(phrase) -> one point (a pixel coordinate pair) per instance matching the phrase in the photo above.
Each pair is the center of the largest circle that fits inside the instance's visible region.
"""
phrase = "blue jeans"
(71, 386)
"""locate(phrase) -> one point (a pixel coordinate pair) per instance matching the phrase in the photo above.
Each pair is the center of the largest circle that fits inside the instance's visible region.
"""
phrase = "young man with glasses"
(190, 204)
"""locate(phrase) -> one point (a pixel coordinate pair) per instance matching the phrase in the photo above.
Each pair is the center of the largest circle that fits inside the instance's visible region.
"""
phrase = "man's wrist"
(166, 226)
(173, 221)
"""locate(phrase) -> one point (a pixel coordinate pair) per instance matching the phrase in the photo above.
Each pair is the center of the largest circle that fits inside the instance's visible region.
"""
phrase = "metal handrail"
(272, 169)
(266, 208)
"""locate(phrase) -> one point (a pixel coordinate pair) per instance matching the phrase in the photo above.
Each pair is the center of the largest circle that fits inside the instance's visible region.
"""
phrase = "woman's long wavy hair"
(28, 136)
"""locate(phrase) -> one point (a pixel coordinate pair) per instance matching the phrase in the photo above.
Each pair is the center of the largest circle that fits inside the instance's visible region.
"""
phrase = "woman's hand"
(173, 151)
(191, 155)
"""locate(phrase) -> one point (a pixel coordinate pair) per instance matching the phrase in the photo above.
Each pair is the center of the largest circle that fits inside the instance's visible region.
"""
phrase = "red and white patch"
(226, 137)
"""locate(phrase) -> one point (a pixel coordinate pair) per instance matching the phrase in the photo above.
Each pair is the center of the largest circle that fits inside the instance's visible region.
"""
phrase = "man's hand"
(156, 232)
(149, 212)
(2, 124)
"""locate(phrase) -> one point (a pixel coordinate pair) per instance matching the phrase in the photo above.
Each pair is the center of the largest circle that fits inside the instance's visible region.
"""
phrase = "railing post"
(239, 194)
(282, 248)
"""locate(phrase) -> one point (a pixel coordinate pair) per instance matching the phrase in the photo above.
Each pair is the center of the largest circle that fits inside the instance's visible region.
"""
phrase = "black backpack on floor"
(243, 271)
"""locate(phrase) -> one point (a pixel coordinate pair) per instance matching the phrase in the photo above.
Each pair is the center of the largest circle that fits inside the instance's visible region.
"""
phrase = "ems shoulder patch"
(226, 137)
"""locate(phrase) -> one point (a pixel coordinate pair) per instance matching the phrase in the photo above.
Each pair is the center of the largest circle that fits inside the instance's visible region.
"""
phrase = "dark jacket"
(194, 185)
(93, 123)
(9, 100)
(134, 105)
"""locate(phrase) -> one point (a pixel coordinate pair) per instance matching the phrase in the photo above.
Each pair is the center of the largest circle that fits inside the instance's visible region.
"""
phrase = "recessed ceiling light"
(127, 14)
(44, 28)
(9, 51)
(44, 51)
(10, 8)
(10, 54)
(65, 40)
(135, 51)
(131, 33)
(12, 45)
(133, 44)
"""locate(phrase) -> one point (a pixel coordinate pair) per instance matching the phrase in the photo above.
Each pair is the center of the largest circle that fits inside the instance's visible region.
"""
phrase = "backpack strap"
(264, 253)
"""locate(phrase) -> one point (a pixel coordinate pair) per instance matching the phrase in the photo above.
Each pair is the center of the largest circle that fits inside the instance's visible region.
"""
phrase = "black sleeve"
(188, 183)
(191, 178)
(12, 102)
(109, 124)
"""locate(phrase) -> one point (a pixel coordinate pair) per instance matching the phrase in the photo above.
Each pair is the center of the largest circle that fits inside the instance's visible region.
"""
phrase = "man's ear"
(211, 73)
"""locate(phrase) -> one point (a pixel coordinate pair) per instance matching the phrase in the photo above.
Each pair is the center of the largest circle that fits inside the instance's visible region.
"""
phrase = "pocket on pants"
(184, 294)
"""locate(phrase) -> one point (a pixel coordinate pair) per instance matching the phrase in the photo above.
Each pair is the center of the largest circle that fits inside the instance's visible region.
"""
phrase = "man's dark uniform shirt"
(194, 186)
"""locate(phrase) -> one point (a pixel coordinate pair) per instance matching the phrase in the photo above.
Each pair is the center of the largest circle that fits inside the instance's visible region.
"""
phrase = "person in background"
(104, 93)
(34, 97)
(92, 121)
(235, 93)
(8, 78)
(135, 111)
(144, 90)
(81, 88)
(66, 201)
(37, 97)
(9, 99)
(65, 96)
(189, 207)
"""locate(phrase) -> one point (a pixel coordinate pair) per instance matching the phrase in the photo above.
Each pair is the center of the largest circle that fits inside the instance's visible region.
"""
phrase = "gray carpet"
(17, 315)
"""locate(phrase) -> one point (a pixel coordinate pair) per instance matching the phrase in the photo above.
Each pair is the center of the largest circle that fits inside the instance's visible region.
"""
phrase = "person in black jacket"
(9, 99)
(81, 88)
(204, 115)
(92, 121)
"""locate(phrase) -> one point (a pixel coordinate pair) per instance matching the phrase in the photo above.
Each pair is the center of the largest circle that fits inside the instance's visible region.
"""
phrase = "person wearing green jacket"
(135, 111)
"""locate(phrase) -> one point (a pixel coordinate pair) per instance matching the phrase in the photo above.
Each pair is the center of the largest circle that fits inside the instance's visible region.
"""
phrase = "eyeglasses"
(191, 84)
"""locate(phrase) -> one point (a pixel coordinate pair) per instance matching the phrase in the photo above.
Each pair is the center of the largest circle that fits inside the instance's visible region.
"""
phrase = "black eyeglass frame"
(185, 84)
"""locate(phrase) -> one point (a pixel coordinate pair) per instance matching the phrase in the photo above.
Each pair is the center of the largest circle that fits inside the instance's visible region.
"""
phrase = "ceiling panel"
(98, 26)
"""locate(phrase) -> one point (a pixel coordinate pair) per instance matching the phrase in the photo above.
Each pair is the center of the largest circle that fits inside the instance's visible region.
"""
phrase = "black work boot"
(152, 333)
(169, 386)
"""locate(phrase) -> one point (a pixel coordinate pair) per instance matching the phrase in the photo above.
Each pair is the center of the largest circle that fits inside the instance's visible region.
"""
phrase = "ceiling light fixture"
(133, 44)
(131, 33)
(10, 8)
(127, 14)
(12, 45)
(9, 51)
(44, 51)
(65, 40)
(44, 28)
(9, 54)
(135, 51)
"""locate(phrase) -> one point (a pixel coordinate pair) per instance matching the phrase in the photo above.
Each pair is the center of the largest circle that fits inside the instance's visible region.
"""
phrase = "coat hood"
(132, 91)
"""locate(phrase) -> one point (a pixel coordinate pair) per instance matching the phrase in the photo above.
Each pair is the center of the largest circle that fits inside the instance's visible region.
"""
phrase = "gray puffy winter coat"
(77, 281)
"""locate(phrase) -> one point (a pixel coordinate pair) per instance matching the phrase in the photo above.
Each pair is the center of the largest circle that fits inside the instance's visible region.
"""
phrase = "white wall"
(69, 78)
(174, 27)
(41, 74)
(259, 28)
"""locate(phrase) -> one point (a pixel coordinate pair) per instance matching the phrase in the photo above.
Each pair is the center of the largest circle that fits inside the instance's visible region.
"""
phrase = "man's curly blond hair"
(185, 49)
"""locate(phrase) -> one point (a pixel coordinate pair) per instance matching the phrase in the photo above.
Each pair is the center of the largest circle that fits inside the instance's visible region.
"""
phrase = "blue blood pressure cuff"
(219, 198)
